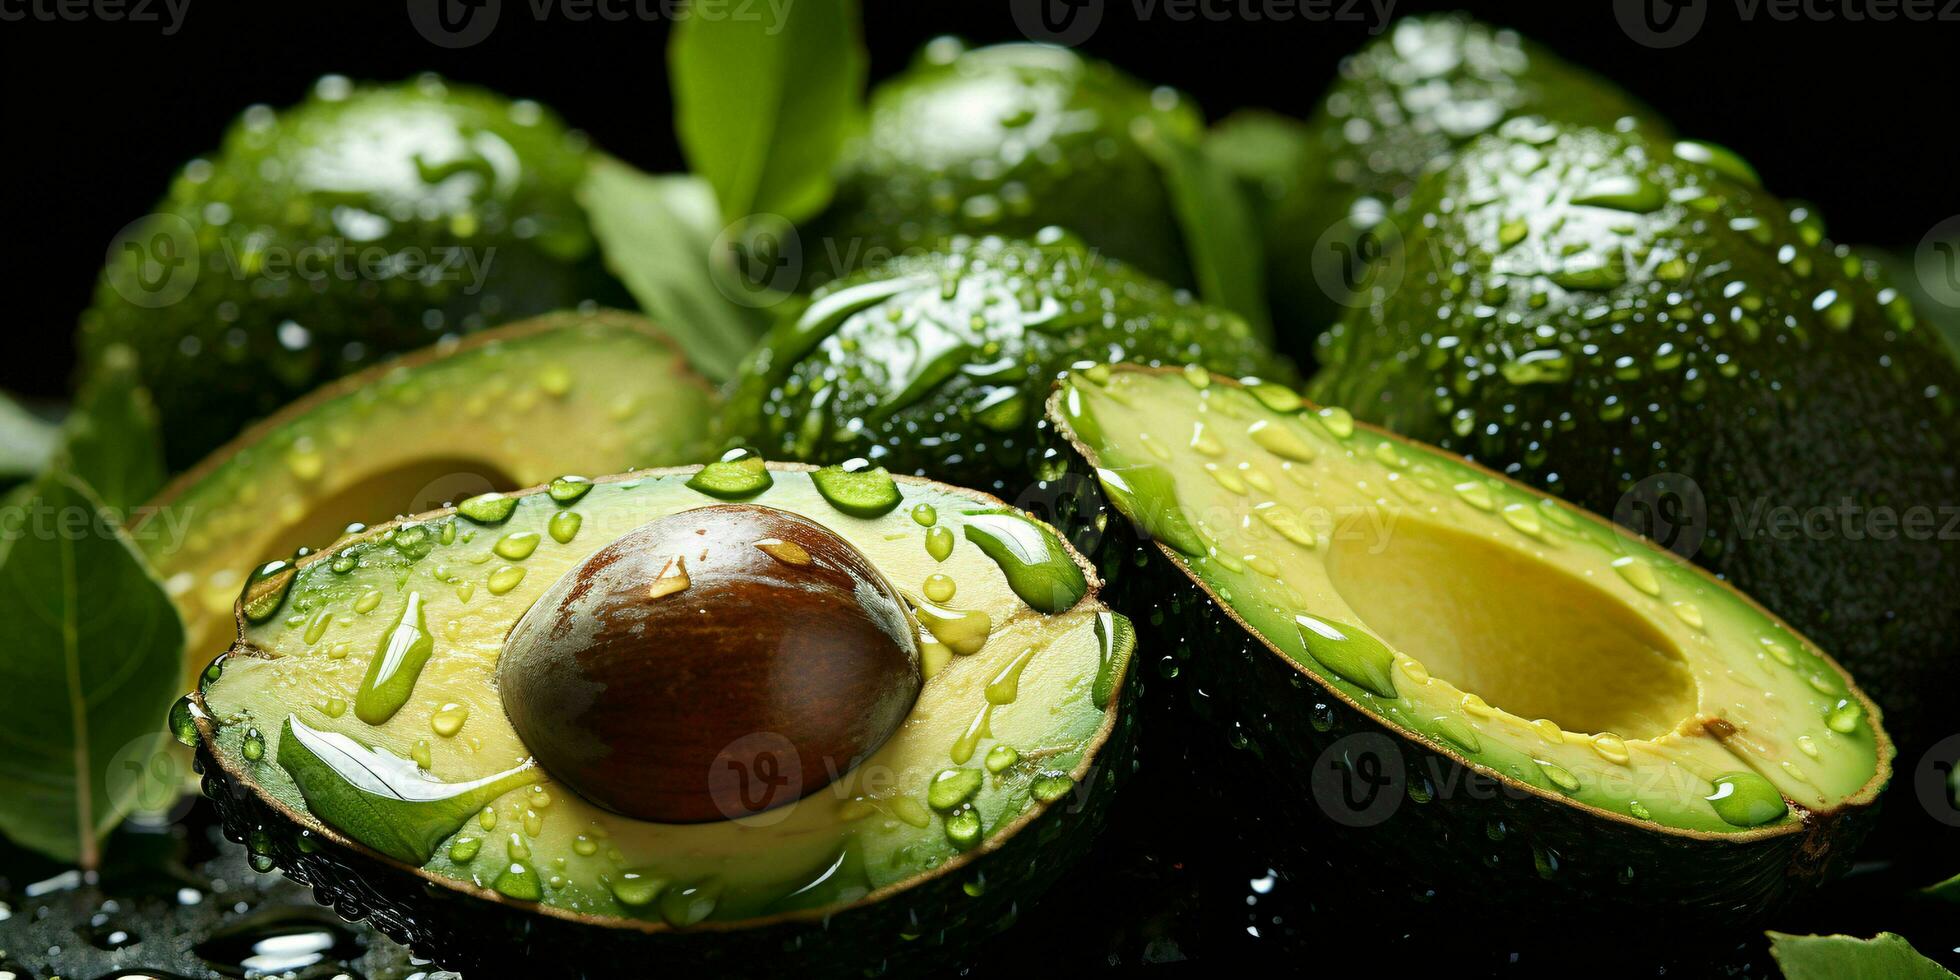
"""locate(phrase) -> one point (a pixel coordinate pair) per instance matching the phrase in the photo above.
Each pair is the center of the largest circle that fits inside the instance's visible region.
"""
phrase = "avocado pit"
(710, 665)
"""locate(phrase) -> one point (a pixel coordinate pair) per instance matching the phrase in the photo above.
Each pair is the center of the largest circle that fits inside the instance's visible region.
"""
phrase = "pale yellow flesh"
(594, 397)
(880, 805)
(1528, 638)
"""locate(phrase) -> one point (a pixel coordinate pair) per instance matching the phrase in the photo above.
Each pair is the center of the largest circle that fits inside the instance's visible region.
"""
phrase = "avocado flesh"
(512, 407)
(1007, 140)
(871, 829)
(1398, 105)
(320, 239)
(937, 363)
(1623, 309)
(1612, 689)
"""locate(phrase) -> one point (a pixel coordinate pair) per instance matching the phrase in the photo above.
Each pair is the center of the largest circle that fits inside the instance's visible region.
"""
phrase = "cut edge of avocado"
(246, 806)
(1864, 797)
(206, 571)
(1764, 865)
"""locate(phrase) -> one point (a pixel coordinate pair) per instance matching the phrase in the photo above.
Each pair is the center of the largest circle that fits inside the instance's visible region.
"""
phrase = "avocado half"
(938, 362)
(1488, 690)
(1638, 326)
(437, 824)
(563, 393)
(1007, 140)
(317, 240)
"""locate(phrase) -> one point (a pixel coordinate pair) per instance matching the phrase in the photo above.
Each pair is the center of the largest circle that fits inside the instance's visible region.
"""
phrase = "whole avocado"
(938, 362)
(1007, 140)
(1398, 105)
(365, 221)
(1639, 327)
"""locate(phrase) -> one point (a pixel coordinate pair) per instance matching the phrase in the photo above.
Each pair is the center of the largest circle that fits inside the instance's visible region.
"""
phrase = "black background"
(1851, 115)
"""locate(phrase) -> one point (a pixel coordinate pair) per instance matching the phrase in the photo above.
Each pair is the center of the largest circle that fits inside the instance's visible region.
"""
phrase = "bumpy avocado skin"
(1684, 322)
(937, 364)
(1299, 770)
(1399, 104)
(1006, 140)
(365, 221)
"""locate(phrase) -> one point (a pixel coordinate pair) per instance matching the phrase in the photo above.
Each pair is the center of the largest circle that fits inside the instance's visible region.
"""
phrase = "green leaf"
(1946, 891)
(381, 799)
(1219, 232)
(112, 441)
(764, 100)
(27, 441)
(94, 655)
(661, 236)
(1261, 147)
(1885, 957)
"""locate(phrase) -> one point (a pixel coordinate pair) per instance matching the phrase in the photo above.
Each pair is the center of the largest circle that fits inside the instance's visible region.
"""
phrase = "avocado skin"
(1398, 105)
(1006, 140)
(483, 936)
(1813, 416)
(352, 178)
(1260, 727)
(984, 294)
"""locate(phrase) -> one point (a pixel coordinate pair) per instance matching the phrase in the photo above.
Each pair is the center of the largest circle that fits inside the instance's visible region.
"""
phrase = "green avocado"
(316, 240)
(1007, 140)
(937, 363)
(1399, 104)
(363, 733)
(1639, 327)
(502, 409)
(1548, 708)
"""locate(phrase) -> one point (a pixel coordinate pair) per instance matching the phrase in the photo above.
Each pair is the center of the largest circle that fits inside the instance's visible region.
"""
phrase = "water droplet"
(939, 588)
(1350, 654)
(939, 542)
(788, 552)
(1638, 574)
(504, 579)
(564, 526)
(1001, 758)
(1744, 799)
(448, 720)
(569, 490)
(488, 508)
(398, 661)
(517, 545)
(953, 787)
